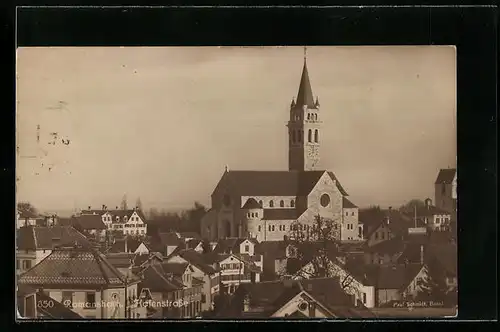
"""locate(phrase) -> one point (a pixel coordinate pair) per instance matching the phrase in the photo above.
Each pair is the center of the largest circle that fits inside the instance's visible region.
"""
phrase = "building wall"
(414, 287)
(349, 231)
(444, 196)
(25, 260)
(383, 233)
(386, 295)
(134, 225)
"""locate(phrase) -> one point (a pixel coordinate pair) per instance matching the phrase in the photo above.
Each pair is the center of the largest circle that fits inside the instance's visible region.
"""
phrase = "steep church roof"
(305, 95)
(273, 183)
(446, 175)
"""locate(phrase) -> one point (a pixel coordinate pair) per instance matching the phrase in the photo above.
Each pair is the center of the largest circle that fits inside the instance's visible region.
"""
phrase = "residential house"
(26, 218)
(398, 282)
(33, 304)
(129, 245)
(91, 225)
(314, 298)
(166, 243)
(274, 258)
(385, 252)
(235, 269)
(193, 287)
(127, 222)
(393, 224)
(160, 293)
(202, 271)
(86, 282)
(432, 217)
(35, 243)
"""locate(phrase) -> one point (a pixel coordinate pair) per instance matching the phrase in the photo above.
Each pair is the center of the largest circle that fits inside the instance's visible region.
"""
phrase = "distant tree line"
(184, 221)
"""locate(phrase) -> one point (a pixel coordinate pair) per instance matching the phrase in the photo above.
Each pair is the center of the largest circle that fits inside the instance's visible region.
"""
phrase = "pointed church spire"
(305, 95)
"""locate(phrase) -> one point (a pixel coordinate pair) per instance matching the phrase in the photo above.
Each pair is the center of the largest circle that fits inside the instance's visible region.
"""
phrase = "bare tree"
(27, 208)
(316, 248)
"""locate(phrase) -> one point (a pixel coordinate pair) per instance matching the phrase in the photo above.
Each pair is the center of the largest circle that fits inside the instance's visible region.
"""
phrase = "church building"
(266, 205)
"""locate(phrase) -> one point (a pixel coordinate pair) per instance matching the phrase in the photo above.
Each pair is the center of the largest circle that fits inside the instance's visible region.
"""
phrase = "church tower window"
(282, 203)
(308, 116)
(292, 203)
(271, 203)
(316, 136)
(309, 136)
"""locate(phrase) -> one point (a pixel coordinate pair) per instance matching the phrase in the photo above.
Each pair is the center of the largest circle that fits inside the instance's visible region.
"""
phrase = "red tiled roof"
(77, 267)
(273, 183)
(446, 175)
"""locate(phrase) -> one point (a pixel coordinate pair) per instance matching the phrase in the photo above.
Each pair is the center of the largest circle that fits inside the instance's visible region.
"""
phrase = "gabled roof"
(273, 183)
(305, 95)
(78, 267)
(121, 259)
(197, 260)
(46, 238)
(347, 204)
(269, 297)
(397, 222)
(154, 278)
(391, 247)
(228, 245)
(397, 276)
(446, 175)
(251, 203)
(89, 222)
(177, 269)
(273, 249)
(119, 245)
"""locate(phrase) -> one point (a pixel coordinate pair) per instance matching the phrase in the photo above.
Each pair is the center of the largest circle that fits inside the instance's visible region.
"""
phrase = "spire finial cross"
(305, 53)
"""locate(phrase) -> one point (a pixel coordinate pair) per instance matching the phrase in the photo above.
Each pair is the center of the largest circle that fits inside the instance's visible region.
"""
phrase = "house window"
(259, 228)
(26, 264)
(271, 203)
(247, 248)
(203, 298)
(269, 227)
(282, 203)
(364, 298)
(382, 236)
(261, 204)
(352, 214)
(90, 298)
(438, 220)
(292, 203)
(347, 214)
(17, 264)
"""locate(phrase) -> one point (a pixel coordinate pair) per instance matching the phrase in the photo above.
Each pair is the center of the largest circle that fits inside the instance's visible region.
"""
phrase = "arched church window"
(292, 203)
(309, 136)
(271, 203)
(316, 117)
(308, 116)
(316, 136)
(282, 203)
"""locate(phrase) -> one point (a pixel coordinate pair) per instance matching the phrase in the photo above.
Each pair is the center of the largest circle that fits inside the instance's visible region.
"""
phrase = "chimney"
(421, 254)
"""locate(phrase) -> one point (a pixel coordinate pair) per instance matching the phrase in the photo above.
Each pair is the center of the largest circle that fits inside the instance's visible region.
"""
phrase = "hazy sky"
(162, 123)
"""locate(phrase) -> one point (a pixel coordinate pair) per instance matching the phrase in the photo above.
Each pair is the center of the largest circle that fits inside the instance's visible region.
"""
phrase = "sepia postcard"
(177, 183)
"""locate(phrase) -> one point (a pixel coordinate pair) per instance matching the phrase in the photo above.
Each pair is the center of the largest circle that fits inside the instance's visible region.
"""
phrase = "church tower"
(304, 128)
